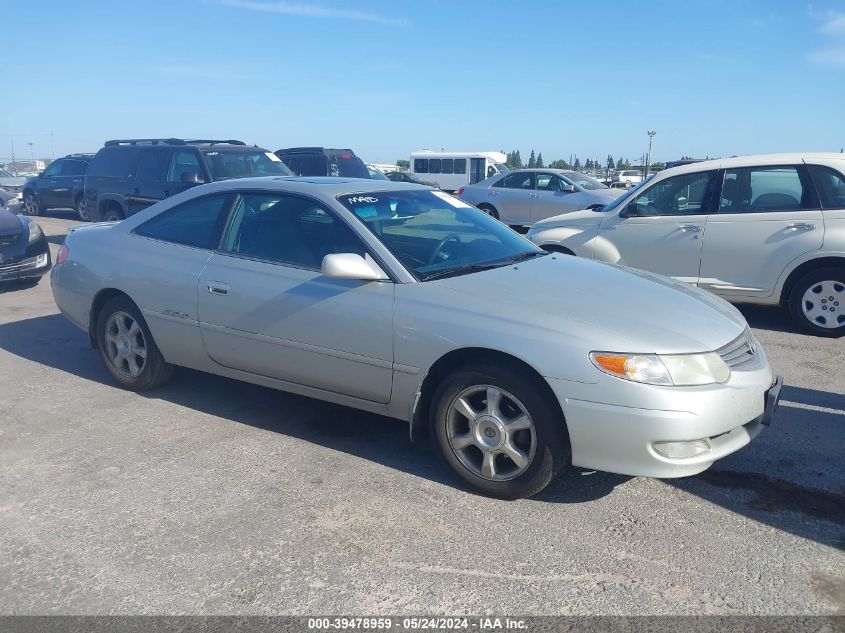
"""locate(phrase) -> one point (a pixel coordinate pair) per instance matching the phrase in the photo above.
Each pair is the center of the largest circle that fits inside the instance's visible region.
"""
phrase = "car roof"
(314, 150)
(753, 160)
(325, 185)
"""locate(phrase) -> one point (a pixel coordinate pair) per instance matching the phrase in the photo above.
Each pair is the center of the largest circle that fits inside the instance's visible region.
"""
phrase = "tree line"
(514, 161)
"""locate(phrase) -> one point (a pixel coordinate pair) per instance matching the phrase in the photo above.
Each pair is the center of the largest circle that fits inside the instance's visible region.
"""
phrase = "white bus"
(453, 170)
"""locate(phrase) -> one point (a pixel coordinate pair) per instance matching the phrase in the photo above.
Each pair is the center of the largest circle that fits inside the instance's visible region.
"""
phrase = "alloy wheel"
(126, 346)
(82, 209)
(30, 204)
(823, 304)
(491, 432)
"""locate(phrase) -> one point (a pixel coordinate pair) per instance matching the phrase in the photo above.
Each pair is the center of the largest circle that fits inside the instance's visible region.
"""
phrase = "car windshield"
(5, 174)
(376, 174)
(624, 197)
(436, 235)
(502, 168)
(239, 164)
(583, 180)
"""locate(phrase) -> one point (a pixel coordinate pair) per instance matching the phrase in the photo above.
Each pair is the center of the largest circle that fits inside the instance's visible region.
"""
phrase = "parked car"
(321, 161)
(24, 252)
(129, 175)
(59, 186)
(627, 177)
(405, 301)
(524, 196)
(10, 201)
(12, 184)
(756, 229)
(407, 176)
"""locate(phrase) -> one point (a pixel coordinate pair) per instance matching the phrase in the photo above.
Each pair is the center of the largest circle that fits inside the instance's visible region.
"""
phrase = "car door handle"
(494, 193)
(690, 228)
(801, 226)
(218, 288)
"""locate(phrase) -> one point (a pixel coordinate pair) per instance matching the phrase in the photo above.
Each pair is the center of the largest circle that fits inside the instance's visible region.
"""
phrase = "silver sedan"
(525, 196)
(404, 301)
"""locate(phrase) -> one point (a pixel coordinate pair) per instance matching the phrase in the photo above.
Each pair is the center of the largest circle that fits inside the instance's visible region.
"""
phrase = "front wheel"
(817, 302)
(127, 347)
(81, 207)
(498, 431)
(31, 206)
(113, 213)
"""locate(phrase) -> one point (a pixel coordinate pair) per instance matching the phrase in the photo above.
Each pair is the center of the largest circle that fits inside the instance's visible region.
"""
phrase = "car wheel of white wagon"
(817, 302)
(127, 347)
(498, 431)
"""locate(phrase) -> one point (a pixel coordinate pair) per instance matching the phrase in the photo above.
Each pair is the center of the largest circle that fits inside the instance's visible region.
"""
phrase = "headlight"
(35, 232)
(668, 369)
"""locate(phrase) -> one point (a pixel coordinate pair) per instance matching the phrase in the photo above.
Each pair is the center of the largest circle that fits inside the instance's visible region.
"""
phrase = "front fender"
(579, 240)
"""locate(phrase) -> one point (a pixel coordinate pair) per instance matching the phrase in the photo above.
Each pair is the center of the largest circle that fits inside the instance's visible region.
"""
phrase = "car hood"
(580, 219)
(10, 224)
(12, 182)
(612, 308)
(607, 195)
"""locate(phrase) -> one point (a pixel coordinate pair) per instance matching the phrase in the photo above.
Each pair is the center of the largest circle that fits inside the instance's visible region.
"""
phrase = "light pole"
(651, 134)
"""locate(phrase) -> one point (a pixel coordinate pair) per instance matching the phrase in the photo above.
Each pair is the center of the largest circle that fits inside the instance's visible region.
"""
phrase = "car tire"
(81, 207)
(479, 450)
(113, 213)
(122, 335)
(817, 302)
(489, 209)
(31, 206)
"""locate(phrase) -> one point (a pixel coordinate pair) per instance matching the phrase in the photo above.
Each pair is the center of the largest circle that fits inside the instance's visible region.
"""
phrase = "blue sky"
(387, 77)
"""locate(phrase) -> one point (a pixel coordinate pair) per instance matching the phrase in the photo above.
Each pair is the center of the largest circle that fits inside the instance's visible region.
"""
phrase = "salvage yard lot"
(218, 497)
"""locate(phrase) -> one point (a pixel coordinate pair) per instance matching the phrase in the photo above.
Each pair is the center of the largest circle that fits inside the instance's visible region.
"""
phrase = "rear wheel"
(497, 431)
(31, 206)
(489, 209)
(817, 302)
(112, 213)
(127, 347)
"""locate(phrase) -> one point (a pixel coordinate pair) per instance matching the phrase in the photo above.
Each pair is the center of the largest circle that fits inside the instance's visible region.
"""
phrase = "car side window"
(54, 169)
(287, 229)
(764, 189)
(549, 182)
(522, 180)
(198, 222)
(679, 195)
(73, 168)
(830, 185)
(150, 167)
(182, 165)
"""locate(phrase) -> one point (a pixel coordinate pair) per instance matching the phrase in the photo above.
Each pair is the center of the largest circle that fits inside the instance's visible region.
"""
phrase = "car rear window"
(225, 164)
(348, 166)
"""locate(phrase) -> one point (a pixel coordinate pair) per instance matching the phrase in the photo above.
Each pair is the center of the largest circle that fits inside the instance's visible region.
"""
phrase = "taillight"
(459, 192)
(64, 251)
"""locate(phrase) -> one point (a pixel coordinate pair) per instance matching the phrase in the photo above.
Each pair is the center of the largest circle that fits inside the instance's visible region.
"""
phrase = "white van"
(453, 170)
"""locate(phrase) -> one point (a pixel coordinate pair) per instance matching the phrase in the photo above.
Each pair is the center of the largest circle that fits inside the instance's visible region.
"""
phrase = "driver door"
(265, 307)
(662, 229)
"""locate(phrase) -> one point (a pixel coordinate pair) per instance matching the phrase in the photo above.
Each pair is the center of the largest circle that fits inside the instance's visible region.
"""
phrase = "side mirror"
(191, 178)
(351, 266)
(630, 210)
(568, 189)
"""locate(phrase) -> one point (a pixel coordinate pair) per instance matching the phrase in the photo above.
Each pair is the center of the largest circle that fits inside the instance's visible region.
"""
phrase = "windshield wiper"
(464, 270)
(474, 268)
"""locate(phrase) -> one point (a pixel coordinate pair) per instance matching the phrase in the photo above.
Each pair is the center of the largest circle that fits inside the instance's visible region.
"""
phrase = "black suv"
(129, 175)
(321, 161)
(60, 186)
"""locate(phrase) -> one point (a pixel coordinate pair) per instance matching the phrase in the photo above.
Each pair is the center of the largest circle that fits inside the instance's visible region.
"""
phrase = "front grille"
(8, 240)
(23, 266)
(740, 353)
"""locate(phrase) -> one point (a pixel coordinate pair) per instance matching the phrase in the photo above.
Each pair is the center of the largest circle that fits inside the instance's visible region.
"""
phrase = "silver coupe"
(405, 301)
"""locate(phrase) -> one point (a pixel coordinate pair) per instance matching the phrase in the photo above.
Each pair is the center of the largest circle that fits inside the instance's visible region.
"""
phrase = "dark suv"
(129, 175)
(60, 186)
(321, 161)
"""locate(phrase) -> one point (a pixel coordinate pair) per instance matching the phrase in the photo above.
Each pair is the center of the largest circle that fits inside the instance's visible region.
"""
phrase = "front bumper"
(621, 437)
(26, 268)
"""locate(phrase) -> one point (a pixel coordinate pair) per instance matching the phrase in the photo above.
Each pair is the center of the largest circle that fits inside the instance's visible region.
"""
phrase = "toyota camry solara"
(402, 300)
